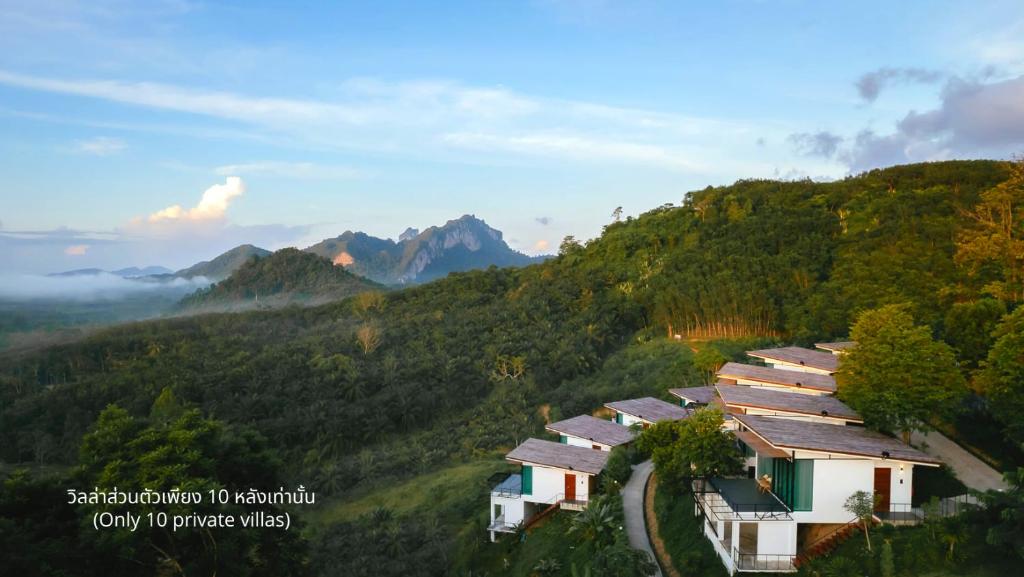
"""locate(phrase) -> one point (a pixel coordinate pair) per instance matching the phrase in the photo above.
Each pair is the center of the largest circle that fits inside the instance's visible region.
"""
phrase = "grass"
(445, 490)
(680, 530)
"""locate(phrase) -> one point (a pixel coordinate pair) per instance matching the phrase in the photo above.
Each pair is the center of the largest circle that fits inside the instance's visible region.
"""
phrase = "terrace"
(738, 500)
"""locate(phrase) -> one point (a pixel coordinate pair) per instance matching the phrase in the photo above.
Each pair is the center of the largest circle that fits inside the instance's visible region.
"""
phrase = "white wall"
(628, 420)
(796, 367)
(549, 482)
(581, 442)
(512, 509)
(834, 481)
(776, 538)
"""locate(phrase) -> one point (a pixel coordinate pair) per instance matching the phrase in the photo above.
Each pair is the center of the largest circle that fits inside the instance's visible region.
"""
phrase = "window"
(618, 418)
(527, 480)
(563, 439)
(793, 482)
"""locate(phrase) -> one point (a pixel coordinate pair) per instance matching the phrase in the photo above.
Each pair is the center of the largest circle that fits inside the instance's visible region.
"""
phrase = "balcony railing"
(508, 485)
(499, 525)
(906, 514)
(738, 500)
(763, 562)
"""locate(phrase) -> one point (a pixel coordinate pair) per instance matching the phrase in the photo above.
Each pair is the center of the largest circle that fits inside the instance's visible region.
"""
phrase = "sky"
(165, 132)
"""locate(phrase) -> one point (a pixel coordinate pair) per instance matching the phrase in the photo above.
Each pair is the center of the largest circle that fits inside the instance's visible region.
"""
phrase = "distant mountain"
(136, 272)
(221, 267)
(463, 244)
(284, 277)
(130, 272)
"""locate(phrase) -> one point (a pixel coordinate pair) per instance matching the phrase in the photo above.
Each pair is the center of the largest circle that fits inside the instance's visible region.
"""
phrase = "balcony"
(500, 526)
(507, 485)
(763, 563)
(738, 500)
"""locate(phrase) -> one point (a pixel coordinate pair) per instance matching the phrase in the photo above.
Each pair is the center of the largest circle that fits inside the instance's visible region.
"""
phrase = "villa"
(646, 411)
(591, 432)
(694, 397)
(552, 475)
(790, 380)
(798, 359)
(803, 472)
(776, 403)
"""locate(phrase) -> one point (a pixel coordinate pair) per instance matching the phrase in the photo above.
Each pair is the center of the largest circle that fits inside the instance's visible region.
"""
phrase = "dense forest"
(386, 388)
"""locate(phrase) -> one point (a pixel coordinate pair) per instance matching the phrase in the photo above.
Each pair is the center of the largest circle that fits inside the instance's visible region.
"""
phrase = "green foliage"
(693, 447)
(619, 467)
(862, 505)
(709, 359)
(897, 376)
(1007, 509)
(1002, 375)
(887, 564)
(288, 275)
(596, 524)
(969, 326)
(683, 533)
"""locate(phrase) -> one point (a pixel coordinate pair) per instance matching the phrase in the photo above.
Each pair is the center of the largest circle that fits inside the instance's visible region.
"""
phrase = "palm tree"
(595, 523)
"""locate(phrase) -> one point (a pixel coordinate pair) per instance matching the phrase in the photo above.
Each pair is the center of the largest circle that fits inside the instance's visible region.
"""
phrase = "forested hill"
(359, 394)
(284, 277)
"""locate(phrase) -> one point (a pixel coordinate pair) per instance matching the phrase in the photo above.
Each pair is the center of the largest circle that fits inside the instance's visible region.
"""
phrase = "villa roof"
(799, 356)
(782, 401)
(836, 347)
(827, 438)
(782, 377)
(560, 456)
(594, 429)
(650, 409)
(702, 395)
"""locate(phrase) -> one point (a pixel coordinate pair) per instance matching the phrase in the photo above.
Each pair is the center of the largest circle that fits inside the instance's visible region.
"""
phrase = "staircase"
(827, 543)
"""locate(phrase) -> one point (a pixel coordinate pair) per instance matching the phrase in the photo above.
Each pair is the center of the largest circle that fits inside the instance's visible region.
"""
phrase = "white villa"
(791, 380)
(646, 411)
(591, 432)
(813, 468)
(551, 475)
(798, 359)
(694, 397)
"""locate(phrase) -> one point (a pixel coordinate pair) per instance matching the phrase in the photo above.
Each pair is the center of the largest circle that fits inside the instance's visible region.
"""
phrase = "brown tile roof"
(650, 409)
(561, 456)
(781, 377)
(823, 437)
(799, 356)
(837, 346)
(783, 401)
(594, 429)
(756, 443)
(702, 395)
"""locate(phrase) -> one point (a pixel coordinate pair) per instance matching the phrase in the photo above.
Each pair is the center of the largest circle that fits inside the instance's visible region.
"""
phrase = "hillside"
(462, 244)
(223, 265)
(284, 277)
(359, 395)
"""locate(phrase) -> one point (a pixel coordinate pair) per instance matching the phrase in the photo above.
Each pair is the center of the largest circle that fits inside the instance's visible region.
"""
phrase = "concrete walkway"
(974, 472)
(633, 509)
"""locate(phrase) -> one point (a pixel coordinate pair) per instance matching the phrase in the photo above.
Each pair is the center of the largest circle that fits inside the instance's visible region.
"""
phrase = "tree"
(968, 328)
(369, 337)
(691, 448)
(709, 359)
(596, 523)
(862, 505)
(618, 468)
(997, 237)
(617, 214)
(1007, 508)
(898, 377)
(1002, 375)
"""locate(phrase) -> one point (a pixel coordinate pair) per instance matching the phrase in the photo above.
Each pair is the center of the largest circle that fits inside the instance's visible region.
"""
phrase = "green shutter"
(782, 480)
(527, 480)
(803, 490)
(563, 439)
(764, 466)
(618, 418)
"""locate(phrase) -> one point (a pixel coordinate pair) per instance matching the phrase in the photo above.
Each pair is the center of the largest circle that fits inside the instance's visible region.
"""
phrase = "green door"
(527, 480)
(618, 418)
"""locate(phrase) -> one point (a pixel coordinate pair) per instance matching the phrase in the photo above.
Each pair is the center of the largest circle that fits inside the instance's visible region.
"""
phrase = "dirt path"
(974, 472)
(633, 508)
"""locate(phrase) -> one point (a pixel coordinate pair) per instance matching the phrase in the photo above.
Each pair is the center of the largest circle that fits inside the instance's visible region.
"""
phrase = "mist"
(91, 287)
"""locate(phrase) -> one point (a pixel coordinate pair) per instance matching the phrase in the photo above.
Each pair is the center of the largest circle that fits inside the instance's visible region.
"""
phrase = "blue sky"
(123, 124)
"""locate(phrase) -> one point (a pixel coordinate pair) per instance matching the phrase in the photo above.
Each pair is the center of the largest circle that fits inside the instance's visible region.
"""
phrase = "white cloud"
(76, 250)
(541, 245)
(100, 146)
(301, 170)
(212, 205)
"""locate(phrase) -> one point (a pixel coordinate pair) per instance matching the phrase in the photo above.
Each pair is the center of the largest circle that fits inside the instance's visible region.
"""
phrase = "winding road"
(633, 509)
